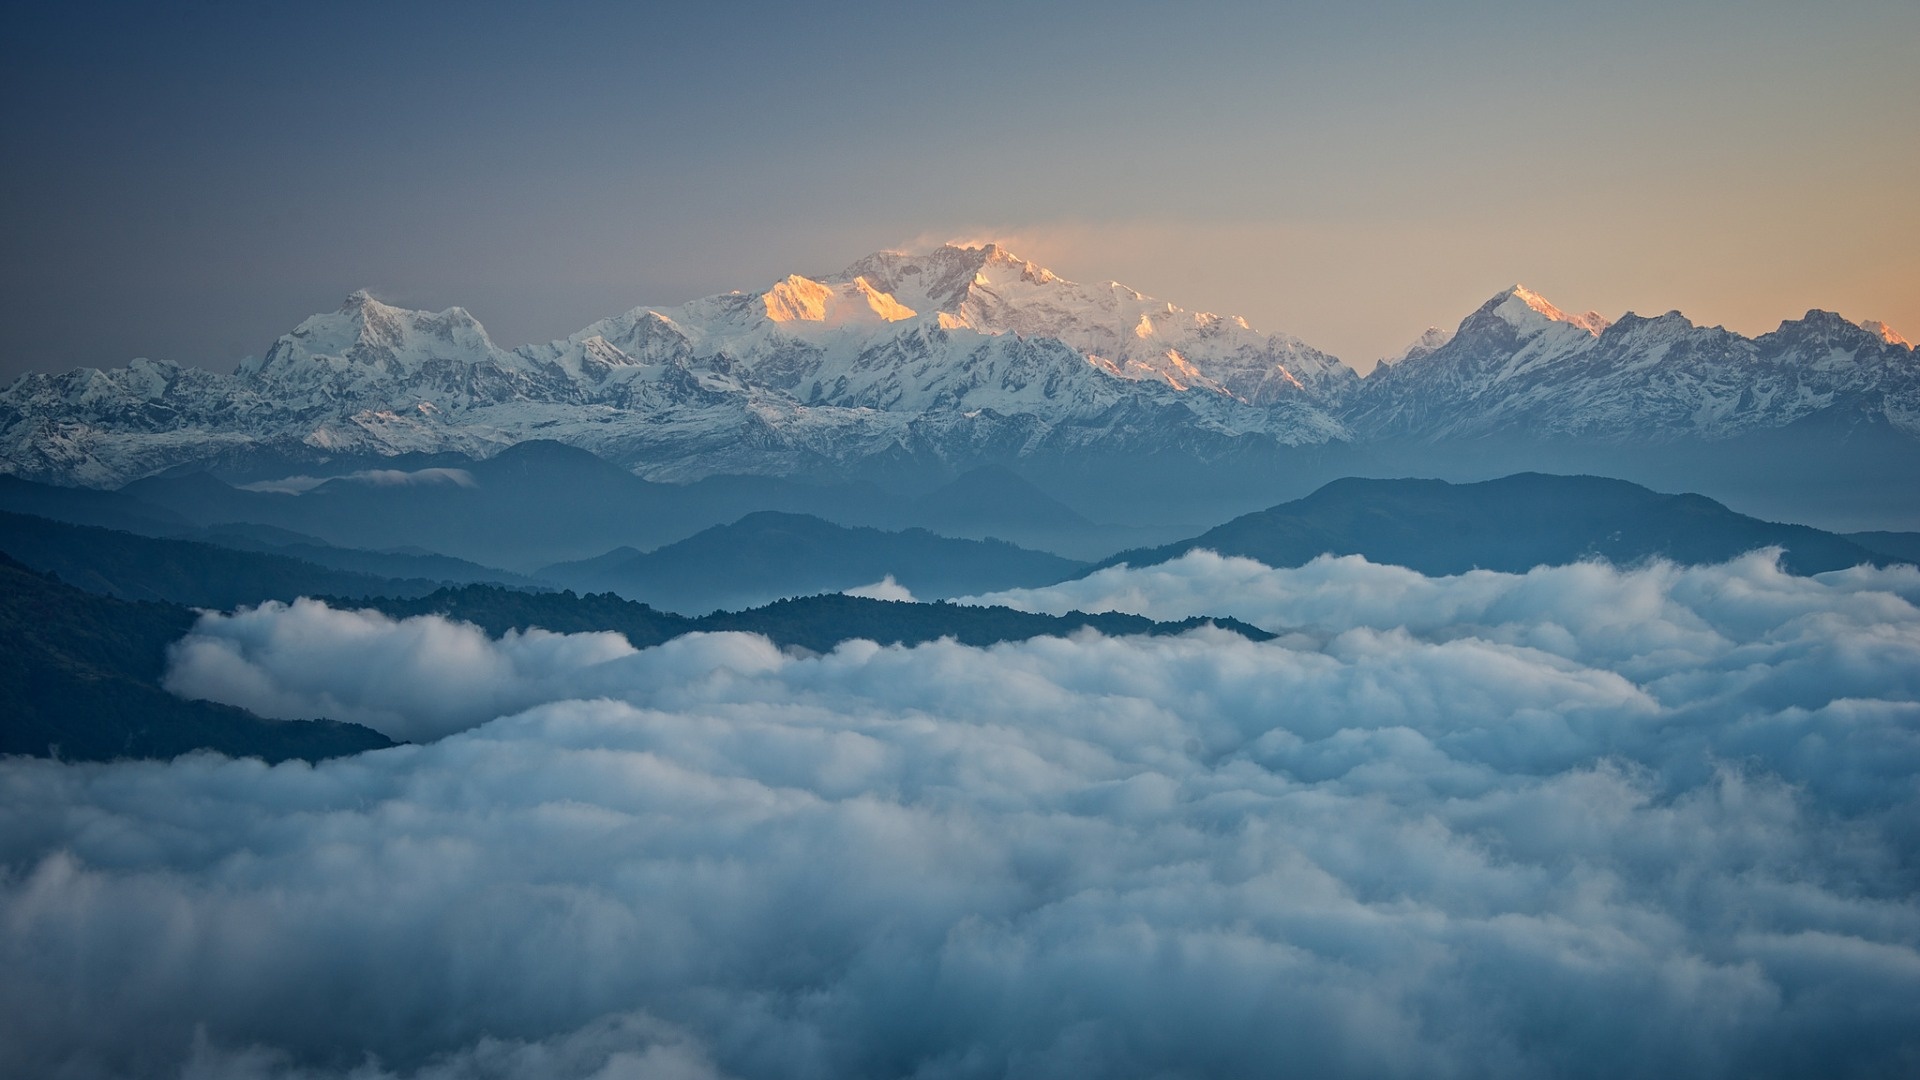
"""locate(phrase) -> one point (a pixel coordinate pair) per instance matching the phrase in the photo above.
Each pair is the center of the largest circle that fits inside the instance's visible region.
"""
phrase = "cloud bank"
(1576, 822)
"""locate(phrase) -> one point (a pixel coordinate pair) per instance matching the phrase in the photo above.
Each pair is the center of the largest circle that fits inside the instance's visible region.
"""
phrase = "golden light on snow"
(799, 299)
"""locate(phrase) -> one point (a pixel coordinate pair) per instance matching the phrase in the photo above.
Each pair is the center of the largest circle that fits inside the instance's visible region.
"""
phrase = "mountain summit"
(1122, 332)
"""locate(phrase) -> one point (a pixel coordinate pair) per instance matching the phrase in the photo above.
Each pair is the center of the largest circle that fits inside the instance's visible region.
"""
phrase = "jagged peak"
(1822, 321)
(365, 308)
(1429, 342)
(798, 299)
(943, 278)
(363, 321)
(994, 255)
(1526, 310)
(1884, 332)
(1819, 325)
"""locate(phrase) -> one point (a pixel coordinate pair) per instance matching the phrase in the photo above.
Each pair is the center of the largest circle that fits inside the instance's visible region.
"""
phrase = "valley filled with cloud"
(1579, 821)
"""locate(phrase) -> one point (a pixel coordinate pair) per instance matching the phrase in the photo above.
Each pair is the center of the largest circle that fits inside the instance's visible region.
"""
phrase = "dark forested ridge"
(817, 623)
(121, 564)
(79, 679)
(1511, 524)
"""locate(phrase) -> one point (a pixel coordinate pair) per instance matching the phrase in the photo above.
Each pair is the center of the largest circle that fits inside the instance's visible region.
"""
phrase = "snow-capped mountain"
(946, 359)
(1120, 331)
(979, 356)
(1518, 365)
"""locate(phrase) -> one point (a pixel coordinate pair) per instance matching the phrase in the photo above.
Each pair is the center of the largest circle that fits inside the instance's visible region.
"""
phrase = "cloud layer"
(1576, 822)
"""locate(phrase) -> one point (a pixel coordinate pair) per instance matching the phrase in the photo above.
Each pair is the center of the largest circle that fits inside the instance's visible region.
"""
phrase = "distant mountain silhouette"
(79, 678)
(1511, 524)
(1900, 546)
(412, 564)
(994, 501)
(530, 504)
(538, 503)
(87, 506)
(113, 563)
(769, 555)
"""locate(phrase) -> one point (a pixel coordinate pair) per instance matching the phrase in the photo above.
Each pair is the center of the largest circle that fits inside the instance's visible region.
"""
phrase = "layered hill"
(1512, 524)
(531, 505)
(768, 555)
(120, 564)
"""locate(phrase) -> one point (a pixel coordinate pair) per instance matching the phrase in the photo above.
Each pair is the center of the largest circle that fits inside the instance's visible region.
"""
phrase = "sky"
(189, 181)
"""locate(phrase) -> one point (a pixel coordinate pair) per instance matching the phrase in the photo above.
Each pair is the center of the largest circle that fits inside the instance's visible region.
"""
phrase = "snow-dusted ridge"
(1520, 365)
(958, 355)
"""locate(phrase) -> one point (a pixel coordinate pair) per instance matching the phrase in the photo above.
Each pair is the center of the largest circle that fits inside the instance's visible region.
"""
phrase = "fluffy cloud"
(414, 679)
(1575, 822)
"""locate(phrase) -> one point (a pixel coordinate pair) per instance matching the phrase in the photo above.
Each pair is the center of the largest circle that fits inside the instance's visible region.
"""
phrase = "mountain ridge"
(917, 365)
(1511, 524)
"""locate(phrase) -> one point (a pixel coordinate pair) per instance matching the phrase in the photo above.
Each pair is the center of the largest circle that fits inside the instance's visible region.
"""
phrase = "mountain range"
(109, 543)
(453, 518)
(912, 369)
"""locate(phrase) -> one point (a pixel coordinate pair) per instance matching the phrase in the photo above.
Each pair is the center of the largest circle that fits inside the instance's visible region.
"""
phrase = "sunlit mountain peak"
(1884, 332)
(1521, 307)
(800, 299)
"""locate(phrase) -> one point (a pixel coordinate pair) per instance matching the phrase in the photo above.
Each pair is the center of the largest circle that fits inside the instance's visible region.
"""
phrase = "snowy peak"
(384, 361)
(364, 326)
(1528, 312)
(1119, 331)
(1426, 344)
(856, 302)
(1000, 266)
(1829, 329)
(943, 279)
(957, 354)
(1884, 332)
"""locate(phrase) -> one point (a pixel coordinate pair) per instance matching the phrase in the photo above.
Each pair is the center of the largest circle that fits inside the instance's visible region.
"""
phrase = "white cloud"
(1572, 822)
(412, 679)
(884, 589)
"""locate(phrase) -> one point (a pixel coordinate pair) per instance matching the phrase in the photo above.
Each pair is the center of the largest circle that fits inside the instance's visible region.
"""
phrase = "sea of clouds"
(1578, 822)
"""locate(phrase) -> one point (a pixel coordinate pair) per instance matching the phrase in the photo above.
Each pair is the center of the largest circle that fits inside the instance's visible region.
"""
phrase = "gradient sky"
(190, 181)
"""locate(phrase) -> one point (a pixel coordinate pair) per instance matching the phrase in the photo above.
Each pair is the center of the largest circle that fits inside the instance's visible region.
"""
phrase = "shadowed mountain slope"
(1900, 546)
(768, 555)
(120, 564)
(79, 679)
(1511, 524)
